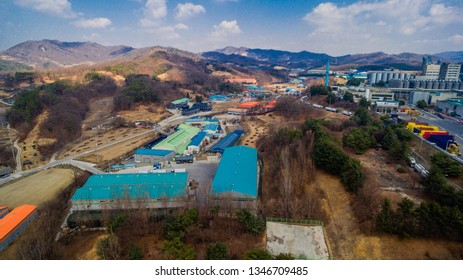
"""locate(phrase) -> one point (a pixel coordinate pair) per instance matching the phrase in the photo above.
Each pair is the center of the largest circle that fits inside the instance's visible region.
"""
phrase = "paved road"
(18, 156)
(176, 118)
(451, 126)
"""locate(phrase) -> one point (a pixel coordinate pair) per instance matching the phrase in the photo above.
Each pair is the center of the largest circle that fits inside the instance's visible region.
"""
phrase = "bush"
(283, 256)
(179, 250)
(257, 254)
(318, 90)
(362, 116)
(254, 224)
(447, 165)
(329, 156)
(216, 251)
(359, 139)
(135, 253)
(352, 175)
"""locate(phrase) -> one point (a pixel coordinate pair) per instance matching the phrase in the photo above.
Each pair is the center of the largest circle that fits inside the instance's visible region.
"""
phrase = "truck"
(331, 109)
(427, 134)
(446, 143)
(421, 129)
(412, 125)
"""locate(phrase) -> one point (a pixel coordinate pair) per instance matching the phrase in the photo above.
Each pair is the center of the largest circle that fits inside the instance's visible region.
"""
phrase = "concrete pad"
(302, 241)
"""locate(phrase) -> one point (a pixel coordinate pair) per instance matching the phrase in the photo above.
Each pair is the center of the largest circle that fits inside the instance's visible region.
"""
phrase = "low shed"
(151, 156)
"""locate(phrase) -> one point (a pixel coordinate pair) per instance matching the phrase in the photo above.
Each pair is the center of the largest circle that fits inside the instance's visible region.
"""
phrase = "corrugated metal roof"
(227, 141)
(115, 186)
(152, 152)
(14, 218)
(178, 141)
(210, 126)
(197, 139)
(248, 105)
(237, 172)
(180, 101)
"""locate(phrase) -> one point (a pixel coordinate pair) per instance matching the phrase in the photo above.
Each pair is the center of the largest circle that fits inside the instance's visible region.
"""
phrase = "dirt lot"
(347, 242)
(114, 152)
(223, 106)
(393, 184)
(36, 188)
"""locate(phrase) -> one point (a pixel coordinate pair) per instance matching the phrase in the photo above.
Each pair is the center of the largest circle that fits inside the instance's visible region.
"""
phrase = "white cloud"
(181, 26)
(224, 30)
(223, 1)
(153, 13)
(60, 8)
(93, 23)
(369, 25)
(187, 10)
(457, 38)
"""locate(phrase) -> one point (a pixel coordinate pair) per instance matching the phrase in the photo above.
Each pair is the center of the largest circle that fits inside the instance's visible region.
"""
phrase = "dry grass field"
(29, 146)
(36, 189)
(152, 113)
(114, 152)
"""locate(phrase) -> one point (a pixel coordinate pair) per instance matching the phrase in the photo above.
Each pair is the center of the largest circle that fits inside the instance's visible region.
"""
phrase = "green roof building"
(236, 180)
(179, 103)
(179, 140)
(128, 191)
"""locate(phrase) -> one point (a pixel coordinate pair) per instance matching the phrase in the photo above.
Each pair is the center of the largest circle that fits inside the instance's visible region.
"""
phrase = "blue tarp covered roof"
(237, 172)
(116, 186)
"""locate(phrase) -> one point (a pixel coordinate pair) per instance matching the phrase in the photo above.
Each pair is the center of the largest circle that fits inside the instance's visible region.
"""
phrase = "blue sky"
(333, 27)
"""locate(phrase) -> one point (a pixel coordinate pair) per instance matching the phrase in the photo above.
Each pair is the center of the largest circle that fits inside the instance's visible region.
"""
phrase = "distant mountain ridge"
(307, 59)
(56, 54)
(47, 54)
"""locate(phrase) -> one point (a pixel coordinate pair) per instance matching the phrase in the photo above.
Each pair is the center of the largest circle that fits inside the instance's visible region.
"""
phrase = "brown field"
(114, 152)
(151, 113)
(83, 247)
(95, 139)
(255, 129)
(29, 146)
(349, 243)
(223, 106)
(36, 189)
(100, 109)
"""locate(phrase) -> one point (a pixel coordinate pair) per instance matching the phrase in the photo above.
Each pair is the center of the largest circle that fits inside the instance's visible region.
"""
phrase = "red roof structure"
(13, 220)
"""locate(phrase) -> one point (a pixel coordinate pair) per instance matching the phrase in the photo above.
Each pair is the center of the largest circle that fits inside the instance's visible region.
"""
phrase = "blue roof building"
(237, 176)
(210, 128)
(116, 191)
(151, 156)
(227, 141)
(218, 97)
